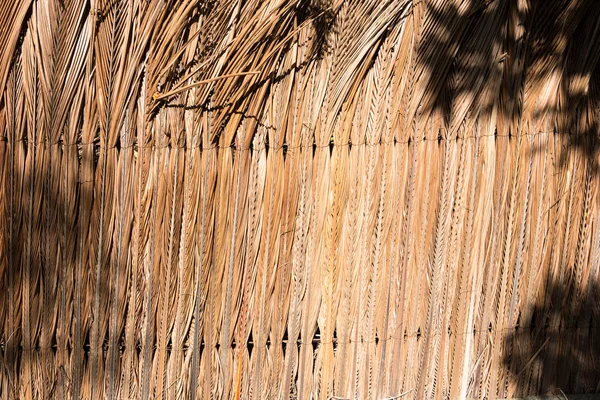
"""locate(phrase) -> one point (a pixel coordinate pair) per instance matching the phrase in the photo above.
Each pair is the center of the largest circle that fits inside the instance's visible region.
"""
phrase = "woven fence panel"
(260, 200)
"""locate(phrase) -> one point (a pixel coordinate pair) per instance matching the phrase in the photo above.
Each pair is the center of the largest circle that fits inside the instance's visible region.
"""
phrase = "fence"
(281, 200)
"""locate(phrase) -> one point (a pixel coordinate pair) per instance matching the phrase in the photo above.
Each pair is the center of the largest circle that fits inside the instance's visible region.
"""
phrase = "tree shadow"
(556, 346)
(529, 67)
(45, 272)
(532, 63)
(46, 203)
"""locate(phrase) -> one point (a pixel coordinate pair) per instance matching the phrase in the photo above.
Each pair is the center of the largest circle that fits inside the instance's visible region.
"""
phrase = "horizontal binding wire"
(285, 146)
(315, 340)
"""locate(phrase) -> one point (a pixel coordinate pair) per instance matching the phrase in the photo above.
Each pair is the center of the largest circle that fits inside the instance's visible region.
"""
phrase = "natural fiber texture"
(299, 198)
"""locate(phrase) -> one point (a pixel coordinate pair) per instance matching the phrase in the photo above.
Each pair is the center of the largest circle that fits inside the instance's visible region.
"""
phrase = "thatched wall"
(286, 199)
